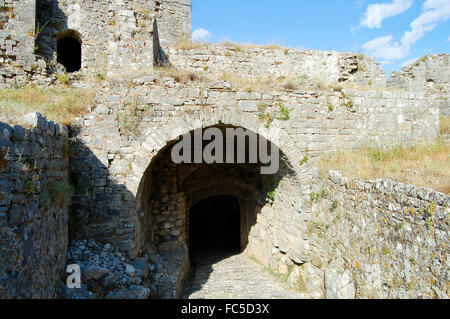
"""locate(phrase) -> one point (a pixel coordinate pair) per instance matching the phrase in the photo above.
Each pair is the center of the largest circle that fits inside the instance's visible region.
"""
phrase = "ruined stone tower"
(94, 36)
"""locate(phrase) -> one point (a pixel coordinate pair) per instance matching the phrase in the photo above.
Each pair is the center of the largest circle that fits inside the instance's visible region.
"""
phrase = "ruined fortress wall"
(430, 74)
(34, 198)
(392, 240)
(117, 36)
(328, 68)
(17, 25)
(113, 155)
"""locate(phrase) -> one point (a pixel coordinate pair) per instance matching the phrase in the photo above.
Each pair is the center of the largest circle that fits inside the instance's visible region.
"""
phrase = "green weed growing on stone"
(265, 116)
(129, 118)
(39, 29)
(304, 160)
(334, 205)
(316, 196)
(323, 192)
(68, 147)
(284, 113)
(349, 103)
(100, 77)
(29, 189)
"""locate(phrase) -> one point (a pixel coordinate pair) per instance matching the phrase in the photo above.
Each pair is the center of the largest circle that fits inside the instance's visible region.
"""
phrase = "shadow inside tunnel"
(214, 236)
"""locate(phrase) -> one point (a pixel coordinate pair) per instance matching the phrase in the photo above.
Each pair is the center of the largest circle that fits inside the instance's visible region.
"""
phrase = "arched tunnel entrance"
(220, 208)
(69, 50)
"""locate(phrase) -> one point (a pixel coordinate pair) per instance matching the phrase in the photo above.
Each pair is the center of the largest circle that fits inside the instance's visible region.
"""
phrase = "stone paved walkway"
(226, 276)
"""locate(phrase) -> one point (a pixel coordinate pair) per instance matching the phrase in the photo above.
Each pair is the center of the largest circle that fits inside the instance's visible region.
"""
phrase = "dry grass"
(187, 44)
(426, 166)
(60, 104)
(241, 46)
(260, 84)
(248, 84)
(180, 75)
(445, 125)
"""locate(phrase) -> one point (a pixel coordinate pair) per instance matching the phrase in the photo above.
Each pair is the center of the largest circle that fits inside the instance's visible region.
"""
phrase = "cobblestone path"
(234, 276)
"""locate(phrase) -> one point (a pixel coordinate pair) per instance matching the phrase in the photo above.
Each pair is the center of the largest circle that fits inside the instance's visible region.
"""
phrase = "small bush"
(30, 190)
(61, 193)
(3, 157)
(264, 116)
(290, 84)
(128, 119)
(63, 79)
(100, 77)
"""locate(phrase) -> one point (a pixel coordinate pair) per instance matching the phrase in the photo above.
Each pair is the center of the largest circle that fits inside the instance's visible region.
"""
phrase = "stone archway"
(69, 50)
(164, 204)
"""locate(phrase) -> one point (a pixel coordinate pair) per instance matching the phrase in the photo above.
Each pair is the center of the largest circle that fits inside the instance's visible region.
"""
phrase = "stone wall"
(17, 30)
(34, 199)
(117, 36)
(174, 20)
(328, 68)
(377, 239)
(430, 74)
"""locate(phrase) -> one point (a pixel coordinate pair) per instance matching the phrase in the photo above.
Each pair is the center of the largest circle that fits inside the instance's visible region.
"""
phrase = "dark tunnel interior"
(69, 53)
(215, 225)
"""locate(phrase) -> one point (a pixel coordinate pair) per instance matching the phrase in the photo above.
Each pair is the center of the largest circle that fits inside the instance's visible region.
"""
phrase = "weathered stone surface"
(33, 224)
(130, 271)
(385, 234)
(339, 285)
(95, 272)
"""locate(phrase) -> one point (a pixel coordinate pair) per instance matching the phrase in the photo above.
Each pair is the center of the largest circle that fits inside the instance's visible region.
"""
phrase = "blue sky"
(394, 31)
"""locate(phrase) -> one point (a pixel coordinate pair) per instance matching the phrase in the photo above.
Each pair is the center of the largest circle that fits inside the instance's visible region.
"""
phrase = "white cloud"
(200, 35)
(385, 48)
(376, 13)
(448, 39)
(434, 11)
